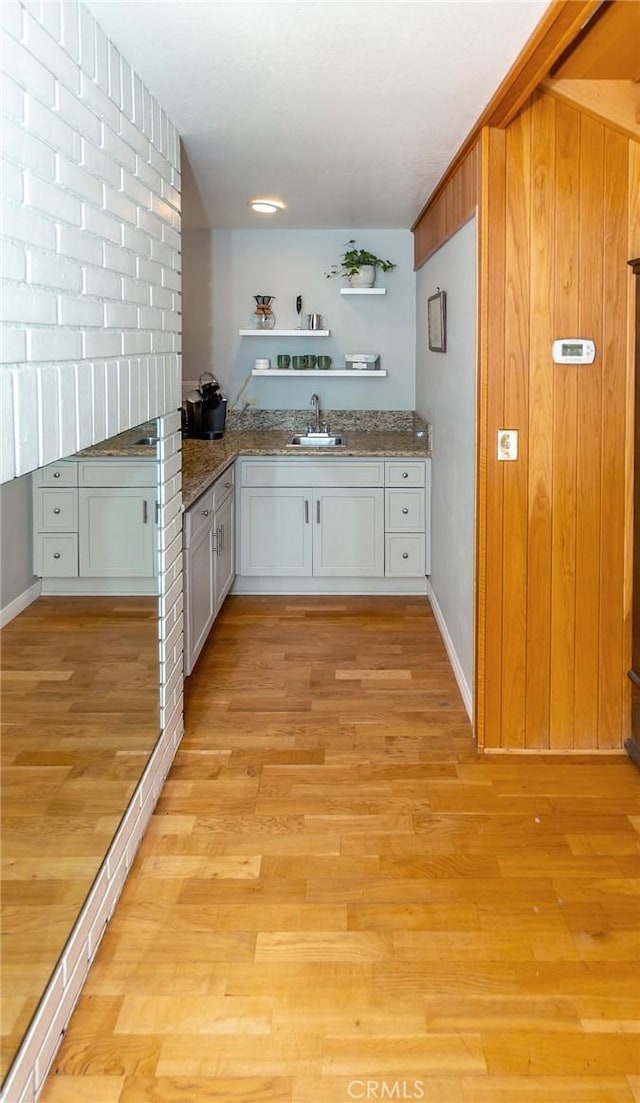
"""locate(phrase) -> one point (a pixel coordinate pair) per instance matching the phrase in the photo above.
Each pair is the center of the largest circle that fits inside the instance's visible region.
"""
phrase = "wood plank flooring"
(80, 716)
(338, 900)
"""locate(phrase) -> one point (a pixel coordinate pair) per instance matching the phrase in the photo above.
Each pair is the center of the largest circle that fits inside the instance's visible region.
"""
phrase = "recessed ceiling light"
(266, 206)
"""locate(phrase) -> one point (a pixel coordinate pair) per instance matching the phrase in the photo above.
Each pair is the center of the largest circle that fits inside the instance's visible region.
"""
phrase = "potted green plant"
(359, 266)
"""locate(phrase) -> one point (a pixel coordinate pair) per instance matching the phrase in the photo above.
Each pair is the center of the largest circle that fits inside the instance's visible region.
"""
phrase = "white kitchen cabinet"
(302, 518)
(116, 532)
(407, 518)
(276, 531)
(349, 525)
(95, 526)
(348, 532)
(209, 562)
(224, 549)
(199, 587)
(304, 532)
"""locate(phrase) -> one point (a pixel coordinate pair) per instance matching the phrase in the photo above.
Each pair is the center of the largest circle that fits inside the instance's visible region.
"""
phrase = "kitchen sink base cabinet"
(209, 563)
(332, 526)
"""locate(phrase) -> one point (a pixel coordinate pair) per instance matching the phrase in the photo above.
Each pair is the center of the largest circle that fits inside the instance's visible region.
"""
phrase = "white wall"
(446, 396)
(226, 268)
(91, 244)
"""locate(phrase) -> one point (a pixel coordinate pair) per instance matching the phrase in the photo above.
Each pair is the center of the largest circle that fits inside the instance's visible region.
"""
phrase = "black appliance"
(206, 409)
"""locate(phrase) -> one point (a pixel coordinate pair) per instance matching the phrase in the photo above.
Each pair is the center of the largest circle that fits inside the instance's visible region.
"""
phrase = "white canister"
(263, 363)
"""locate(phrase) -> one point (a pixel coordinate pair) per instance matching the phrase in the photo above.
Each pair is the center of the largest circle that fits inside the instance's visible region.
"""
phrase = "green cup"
(324, 363)
(300, 363)
(313, 360)
(284, 360)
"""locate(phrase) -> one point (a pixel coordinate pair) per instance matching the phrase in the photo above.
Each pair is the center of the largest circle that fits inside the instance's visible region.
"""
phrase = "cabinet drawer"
(117, 473)
(404, 510)
(198, 517)
(311, 472)
(405, 555)
(56, 509)
(56, 556)
(223, 487)
(404, 473)
(64, 473)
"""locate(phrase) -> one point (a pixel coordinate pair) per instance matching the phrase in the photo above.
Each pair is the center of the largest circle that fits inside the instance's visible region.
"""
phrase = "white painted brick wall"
(91, 210)
(90, 268)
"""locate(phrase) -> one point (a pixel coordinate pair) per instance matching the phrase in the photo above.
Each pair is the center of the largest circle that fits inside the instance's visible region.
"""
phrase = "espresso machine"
(206, 409)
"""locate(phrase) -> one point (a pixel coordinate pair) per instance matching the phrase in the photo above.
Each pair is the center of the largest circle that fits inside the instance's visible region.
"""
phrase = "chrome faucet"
(315, 406)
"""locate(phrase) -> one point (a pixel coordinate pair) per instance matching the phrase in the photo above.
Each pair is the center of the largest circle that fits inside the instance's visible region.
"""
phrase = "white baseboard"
(99, 587)
(463, 685)
(246, 584)
(19, 603)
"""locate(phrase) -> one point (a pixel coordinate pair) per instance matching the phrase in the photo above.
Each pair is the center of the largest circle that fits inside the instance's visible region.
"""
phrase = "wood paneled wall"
(451, 206)
(559, 219)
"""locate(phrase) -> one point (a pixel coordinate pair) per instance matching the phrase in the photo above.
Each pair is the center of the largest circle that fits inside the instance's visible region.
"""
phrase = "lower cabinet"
(95, 522)
(209, 563)
(335, 519)
(117, 532)
(304, 532)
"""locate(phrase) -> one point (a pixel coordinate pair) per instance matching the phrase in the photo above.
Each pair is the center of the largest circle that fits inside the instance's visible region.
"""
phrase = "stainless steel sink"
(318, 440)
(146, 440)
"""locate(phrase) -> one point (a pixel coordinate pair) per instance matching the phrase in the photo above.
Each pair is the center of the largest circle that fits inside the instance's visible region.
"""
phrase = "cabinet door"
(200, 594)
(116, 532)
(348, 532)
(275, 526)
(223, 525)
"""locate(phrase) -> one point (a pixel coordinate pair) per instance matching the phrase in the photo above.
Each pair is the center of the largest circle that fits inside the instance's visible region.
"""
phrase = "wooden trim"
(452, 209)
(444, 239)
(560, 24)
(615, 102)
(490, 476)
(612, 53)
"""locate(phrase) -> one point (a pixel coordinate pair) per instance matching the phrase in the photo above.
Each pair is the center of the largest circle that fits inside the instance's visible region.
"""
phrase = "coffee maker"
(206, 409)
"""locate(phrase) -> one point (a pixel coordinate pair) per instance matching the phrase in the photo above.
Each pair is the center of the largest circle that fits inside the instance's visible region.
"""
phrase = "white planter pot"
(366, 277)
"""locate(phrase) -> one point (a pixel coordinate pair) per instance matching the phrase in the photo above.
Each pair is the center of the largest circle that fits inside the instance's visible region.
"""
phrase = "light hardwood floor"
(79, 717)
(338, 900)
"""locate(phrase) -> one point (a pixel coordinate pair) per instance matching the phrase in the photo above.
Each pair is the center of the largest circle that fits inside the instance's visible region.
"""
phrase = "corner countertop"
(204, 460)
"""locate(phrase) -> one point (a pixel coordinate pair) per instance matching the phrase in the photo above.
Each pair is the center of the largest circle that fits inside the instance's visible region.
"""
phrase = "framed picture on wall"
(437, 321)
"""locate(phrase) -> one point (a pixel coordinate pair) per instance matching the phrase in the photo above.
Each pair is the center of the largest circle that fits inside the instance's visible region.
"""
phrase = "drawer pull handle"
(405, 510)
(204, 512)
(56, 555)
(405, 474)
(306, 511)
(405, 555)
(56, 474)
(145, 512)
(57, 510)
(318, 511)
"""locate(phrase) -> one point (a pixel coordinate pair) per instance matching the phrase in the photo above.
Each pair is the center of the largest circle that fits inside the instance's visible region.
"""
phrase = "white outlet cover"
(507, 446)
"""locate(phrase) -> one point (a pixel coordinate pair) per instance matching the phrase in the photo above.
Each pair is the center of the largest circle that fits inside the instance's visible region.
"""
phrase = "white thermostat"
(573, 350)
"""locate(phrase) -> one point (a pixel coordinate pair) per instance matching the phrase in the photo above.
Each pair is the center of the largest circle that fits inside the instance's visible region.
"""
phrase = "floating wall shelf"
(363, 290)
(284, 332)
(326, 372)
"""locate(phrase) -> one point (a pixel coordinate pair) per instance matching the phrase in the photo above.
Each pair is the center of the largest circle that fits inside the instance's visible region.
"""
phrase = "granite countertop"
(204, 460)
(124, 445)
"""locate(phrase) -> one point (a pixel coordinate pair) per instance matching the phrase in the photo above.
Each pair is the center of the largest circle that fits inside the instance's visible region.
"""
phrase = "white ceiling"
(348, 110)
